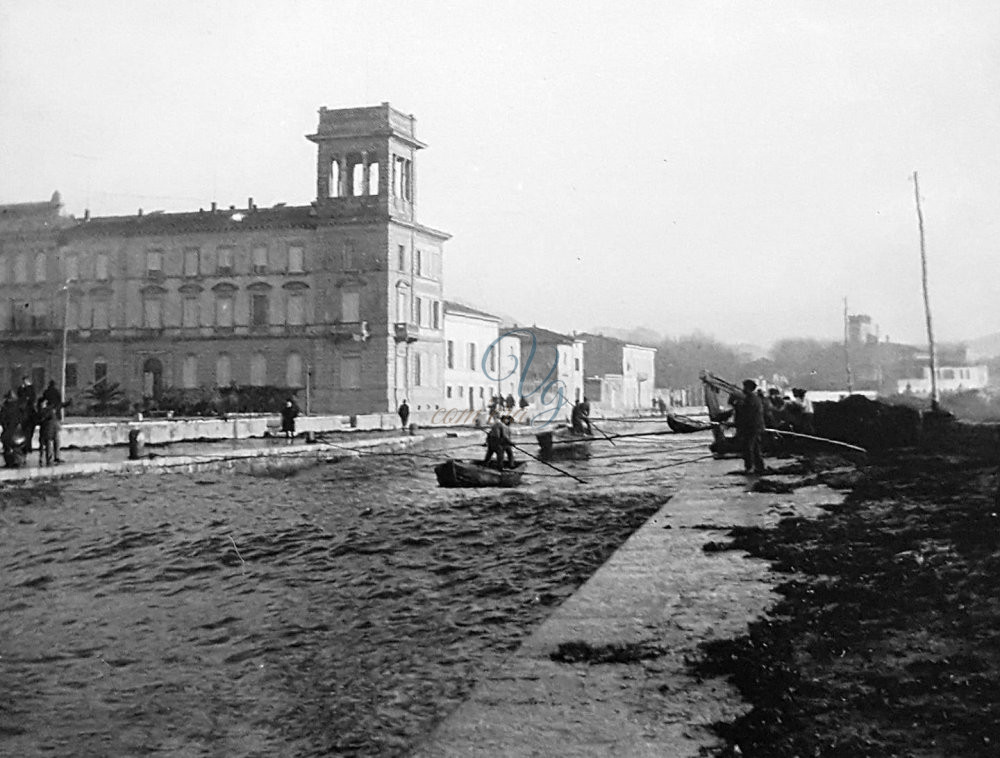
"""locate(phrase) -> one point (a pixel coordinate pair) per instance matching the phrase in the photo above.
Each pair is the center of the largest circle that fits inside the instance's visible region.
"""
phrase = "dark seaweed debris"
(616, 652)
(889, 644)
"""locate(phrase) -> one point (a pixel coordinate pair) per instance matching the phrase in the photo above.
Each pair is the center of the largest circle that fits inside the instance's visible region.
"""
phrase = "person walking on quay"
(750, 427)
(48, 432)
(510, 403)
(404, 414)
(11, 434)
(289, 412)
(28, 398)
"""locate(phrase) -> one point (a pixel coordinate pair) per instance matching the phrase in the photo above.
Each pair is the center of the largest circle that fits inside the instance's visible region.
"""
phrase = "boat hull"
(685, 424)
(563, 446)
(455, 473)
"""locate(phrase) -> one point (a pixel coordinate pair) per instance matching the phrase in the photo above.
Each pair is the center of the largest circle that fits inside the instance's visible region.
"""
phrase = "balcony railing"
(350, 330)
(407, 331)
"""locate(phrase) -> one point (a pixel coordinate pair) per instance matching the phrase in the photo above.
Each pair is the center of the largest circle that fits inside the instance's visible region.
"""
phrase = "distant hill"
(984, 347)
(638, 335)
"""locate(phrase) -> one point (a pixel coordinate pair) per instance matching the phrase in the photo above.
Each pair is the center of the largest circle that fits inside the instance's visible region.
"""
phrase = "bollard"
(136, 444)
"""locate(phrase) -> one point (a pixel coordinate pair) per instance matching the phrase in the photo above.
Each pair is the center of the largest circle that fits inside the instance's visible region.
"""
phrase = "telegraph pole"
(927, 299)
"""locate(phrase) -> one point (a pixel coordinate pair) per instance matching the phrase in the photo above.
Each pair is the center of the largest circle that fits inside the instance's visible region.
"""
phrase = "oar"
(817, 439)
(546, 463)
(604, 433)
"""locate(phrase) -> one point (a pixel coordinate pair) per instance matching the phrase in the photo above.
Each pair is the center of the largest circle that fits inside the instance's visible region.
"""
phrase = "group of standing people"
(754, 413)
(23, 411)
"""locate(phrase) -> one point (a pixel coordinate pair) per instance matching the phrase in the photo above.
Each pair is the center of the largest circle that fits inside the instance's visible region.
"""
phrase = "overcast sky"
(729, 167)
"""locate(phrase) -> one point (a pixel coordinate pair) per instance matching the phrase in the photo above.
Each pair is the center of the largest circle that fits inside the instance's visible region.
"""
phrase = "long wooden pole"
(927, 298)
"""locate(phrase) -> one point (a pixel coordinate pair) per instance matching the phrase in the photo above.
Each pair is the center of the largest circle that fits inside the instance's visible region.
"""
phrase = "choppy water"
(342, 610)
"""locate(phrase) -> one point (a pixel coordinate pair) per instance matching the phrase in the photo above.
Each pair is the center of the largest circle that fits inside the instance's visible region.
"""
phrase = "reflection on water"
(344, 609)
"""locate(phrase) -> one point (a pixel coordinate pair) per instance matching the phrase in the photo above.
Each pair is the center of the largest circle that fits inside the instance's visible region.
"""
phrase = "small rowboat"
(563, 445)
(455, 473)
(686, 424)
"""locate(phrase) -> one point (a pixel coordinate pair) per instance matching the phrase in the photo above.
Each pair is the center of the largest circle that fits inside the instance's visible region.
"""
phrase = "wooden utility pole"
(927, 299)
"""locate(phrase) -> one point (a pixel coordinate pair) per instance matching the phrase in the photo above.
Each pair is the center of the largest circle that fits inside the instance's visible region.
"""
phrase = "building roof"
(541, 335)
(231, 219)
(450, 306)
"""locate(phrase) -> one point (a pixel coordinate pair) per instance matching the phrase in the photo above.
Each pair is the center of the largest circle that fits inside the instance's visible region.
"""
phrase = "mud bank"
(885, 641)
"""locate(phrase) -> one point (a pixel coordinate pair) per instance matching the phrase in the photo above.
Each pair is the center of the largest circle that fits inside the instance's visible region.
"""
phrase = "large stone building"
(342, 295)
(621, 377)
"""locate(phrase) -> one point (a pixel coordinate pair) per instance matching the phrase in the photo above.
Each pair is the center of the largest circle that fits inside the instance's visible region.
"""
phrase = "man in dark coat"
(29, 400)
(404, 413)
(750, 427)
(289, 412)
(499, 442)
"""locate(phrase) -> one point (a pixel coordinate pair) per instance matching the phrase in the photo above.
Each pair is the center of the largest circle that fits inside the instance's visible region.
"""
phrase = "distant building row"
(342, 298)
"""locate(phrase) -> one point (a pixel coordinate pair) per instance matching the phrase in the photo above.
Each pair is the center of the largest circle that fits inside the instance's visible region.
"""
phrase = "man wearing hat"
(750, 427)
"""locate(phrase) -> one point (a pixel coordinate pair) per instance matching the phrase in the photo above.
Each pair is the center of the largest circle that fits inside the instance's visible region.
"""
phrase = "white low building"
(949, 379)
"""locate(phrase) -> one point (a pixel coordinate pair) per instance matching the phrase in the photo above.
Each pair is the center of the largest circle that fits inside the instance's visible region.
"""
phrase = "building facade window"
(258, 370)
(21, 268)
(259, 309)
(189, 372)
(295, 311)
(436, 321)
(350, 306)
(101, 267)
(224, 259)
(192, 261)
(451, 354)
(101, 313)
(100, 371)
(224, 309)
(350, 372)
(296, 259)
(472, 356)
(402, 304)
(418, 306)
(152, 311)
(189, 312)
(40, 267)
(223, 370)
(72, 267)
(349, 257)
(260, 259)
(40, 314)
(401, 258)
(3, 270)
(418, 370)
(293, 370)
(154, 264)
(71, 375)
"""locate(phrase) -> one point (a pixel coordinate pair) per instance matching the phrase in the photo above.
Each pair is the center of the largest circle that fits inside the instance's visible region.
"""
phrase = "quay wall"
(97, 434)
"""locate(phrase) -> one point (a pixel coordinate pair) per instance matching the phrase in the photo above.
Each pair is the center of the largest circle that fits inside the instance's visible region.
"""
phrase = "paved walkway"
(192, 456)
(660, 590)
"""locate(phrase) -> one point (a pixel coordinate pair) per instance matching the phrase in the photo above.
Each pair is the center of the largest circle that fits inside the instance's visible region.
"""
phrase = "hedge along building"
(342, 296)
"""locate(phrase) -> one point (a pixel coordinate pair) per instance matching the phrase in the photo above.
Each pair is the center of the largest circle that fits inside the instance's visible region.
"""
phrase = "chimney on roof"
(214, 206)
(232, 207)
(86, 214)
(250, 203)
(140, 211)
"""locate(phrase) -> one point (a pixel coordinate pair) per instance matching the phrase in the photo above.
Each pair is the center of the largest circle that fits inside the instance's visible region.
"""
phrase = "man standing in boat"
(499, 442)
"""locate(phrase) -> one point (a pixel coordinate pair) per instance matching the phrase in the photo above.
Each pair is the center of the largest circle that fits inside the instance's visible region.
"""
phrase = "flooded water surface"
(344, 609)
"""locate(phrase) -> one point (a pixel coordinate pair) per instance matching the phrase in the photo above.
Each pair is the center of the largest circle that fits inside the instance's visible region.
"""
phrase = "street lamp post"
(65, 336)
